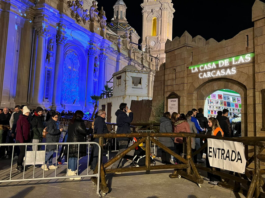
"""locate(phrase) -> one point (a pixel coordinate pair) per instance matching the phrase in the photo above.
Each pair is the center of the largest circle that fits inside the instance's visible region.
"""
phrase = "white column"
(58, 74)
(39, 80)
(163, 26)
(101, 78)
(90, 77)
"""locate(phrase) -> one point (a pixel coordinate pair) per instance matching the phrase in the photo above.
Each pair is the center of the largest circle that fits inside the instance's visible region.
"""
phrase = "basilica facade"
(57, 54)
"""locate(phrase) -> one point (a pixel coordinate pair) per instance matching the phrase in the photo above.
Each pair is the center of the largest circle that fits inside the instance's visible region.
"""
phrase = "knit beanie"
(25, 110)
(39, 109)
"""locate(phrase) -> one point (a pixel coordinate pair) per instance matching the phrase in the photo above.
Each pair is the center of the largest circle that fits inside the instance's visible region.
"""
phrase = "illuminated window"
(154, 26)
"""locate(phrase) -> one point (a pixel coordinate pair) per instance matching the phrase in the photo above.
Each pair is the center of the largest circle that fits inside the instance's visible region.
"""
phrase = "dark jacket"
(4, 118)
(77, 133)
(37, 126)
(23, 129)
(202, 120)
(166, 127)
(225, 125)
(53, 134)
(123, 123)
(16, 117)
(100, 127)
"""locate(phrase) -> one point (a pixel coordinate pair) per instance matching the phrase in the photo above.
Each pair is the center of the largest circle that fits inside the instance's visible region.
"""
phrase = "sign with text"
(173, 105)
(218, 68)
(227, 155)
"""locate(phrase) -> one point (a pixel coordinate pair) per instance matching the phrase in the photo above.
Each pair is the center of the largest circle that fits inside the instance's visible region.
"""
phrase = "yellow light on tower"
(154, 26)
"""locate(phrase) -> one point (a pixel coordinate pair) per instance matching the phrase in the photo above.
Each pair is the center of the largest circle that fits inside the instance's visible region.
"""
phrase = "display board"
(220, 100)
(173, 105)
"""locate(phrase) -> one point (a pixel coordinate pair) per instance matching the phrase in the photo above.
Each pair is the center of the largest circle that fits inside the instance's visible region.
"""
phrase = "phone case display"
(219, 102)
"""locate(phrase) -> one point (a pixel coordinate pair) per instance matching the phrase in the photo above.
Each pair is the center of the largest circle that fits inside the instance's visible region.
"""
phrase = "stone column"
(101, 79)
(163, 25)
(145, 30)
(90, 76)
(58, 72)
(118, 63)
(10, 34)
(39, 80)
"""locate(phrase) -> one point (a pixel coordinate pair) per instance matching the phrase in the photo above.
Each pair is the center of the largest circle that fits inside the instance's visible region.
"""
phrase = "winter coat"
(166, 127)
(202, 120)
(197, 125)
(225, 125)
(4, 118)
(53, 134)
(123, 123)
(181, 126)
(23, 129)
(37, 124)
(100, 127)
(77, 133)
(192, 130)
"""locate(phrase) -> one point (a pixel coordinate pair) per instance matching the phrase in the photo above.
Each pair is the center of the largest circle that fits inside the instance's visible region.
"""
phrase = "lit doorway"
(225, 99)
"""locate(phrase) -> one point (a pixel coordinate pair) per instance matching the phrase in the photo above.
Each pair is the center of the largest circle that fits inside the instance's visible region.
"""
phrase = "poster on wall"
(173, 105)
(239, 100)
(213, 96)
(220, 96)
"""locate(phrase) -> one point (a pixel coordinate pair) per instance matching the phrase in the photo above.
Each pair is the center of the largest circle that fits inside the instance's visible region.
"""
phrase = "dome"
(120, 2)
(130, 68)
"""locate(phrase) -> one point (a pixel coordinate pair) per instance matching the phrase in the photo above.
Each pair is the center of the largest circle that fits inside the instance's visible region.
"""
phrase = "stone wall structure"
(247, 77)
(58, 53)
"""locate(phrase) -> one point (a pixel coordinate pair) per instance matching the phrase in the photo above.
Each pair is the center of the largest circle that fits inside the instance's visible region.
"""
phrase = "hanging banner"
(227, 155)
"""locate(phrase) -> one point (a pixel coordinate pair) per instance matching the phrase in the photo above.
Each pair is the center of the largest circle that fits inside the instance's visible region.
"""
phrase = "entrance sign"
(227, 155)
(173, 105)
(220, 65)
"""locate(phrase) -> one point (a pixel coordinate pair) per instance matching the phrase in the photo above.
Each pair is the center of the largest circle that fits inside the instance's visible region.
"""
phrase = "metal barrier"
(39, 154)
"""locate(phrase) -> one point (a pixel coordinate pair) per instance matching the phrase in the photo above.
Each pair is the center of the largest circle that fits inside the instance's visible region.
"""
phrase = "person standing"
(4, 121)
(77, 132)
(100, 127)
(199, 130)
(123, 123)
(192, 130)
(181, 126)
(37, 124)
(53, 135)
(225, 123)
(202, 119)
(166, 127)
(214, 130)
(23, 135)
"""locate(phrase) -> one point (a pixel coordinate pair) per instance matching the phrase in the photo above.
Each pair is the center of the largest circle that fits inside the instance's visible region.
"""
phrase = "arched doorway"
(223, 99)
(70, 90)
(203, 91)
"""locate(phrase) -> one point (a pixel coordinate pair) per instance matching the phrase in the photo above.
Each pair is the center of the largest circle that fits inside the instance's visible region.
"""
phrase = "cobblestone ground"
(127, 185)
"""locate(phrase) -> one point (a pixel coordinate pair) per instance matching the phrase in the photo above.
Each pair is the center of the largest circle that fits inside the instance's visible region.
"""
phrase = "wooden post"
(188, 155)
(257, 171)
(252, 187)
(147, 154)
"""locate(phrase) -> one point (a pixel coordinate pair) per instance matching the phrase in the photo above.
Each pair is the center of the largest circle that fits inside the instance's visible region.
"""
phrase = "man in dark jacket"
(225, 123)
(202, 120)
(4, 121)
(123, 122)
(37, 124)
(100, 127)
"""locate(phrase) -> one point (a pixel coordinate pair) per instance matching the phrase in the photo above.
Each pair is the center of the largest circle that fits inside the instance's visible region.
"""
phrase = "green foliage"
(108, 91)
(95, 98)
(159, 111)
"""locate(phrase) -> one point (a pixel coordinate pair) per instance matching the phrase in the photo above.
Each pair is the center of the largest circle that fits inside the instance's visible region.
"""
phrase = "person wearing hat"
(23, 135)
(37, 124)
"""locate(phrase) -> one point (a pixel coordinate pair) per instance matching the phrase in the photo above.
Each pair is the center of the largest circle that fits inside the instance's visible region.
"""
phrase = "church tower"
(157, 26)
(120, 12)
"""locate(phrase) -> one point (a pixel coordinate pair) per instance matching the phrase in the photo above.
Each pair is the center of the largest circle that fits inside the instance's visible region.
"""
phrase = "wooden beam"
(252, 187)
(200, 149)
(169, 151)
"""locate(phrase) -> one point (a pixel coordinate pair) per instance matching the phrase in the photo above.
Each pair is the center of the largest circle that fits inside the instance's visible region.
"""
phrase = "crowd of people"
(193, 122)
(39, 125)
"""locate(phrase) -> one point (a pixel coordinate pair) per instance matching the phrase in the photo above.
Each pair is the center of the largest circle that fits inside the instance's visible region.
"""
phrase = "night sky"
(218, 19)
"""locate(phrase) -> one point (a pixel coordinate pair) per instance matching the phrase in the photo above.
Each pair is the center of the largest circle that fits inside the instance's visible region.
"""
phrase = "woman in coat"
(214, 130)
(76, 133)
(181, 126)
(23, 135)
(192, 130)
(53, 136)
(166, 127)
